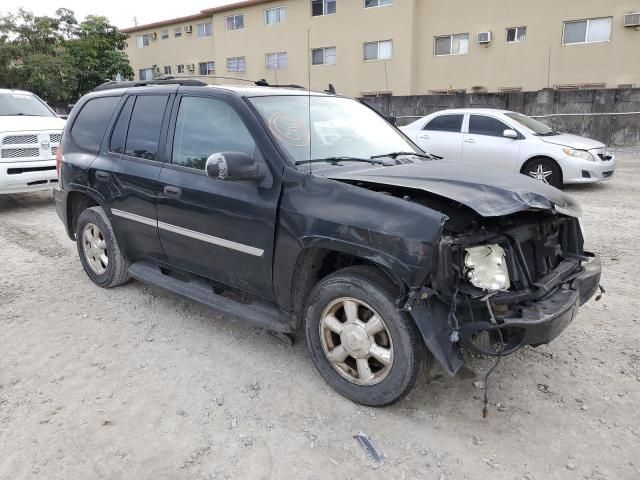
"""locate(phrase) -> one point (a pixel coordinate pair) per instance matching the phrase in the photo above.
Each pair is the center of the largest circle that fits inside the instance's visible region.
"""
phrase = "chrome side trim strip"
(256, 252)
(136, 218)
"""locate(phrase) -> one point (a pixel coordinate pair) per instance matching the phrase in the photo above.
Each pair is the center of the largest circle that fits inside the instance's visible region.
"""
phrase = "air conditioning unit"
(154, 36)
(188, 28)
(632, 19)
(484, 38)
(191, 67)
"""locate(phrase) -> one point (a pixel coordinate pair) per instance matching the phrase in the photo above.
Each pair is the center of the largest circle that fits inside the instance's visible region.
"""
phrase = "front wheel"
(359, 341)
(544, 170)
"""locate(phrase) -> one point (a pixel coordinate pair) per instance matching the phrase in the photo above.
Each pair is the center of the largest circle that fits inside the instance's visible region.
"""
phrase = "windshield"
(341, 128)
(535, 126)
(17, 103)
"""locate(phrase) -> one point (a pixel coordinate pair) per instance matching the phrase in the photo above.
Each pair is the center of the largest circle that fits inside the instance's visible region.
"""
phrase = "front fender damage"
(433, 318)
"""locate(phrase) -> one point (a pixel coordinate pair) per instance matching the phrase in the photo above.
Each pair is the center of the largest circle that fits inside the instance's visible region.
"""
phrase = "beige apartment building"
(402, 47)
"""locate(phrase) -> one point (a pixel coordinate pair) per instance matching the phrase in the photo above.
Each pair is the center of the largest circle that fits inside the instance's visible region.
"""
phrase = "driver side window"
(205, 126)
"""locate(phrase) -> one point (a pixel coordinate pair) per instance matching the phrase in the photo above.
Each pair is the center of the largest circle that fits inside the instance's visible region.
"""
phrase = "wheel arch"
(77, 202)
(316, 262)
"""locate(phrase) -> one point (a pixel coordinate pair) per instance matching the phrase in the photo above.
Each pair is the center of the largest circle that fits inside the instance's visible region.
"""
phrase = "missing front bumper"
(539, 322)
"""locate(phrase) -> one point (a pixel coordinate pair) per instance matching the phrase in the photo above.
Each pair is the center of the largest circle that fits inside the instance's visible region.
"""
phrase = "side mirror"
(510, 133)
(233, 166)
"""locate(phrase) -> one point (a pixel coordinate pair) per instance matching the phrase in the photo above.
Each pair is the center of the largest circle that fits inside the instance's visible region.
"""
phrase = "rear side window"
(446, 123)
(481, 125)
(119, 135)
(206, 126)
(91, 123)
(144, 127)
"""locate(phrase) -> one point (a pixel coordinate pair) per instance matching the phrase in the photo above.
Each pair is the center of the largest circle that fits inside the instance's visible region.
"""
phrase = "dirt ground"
(133, 383)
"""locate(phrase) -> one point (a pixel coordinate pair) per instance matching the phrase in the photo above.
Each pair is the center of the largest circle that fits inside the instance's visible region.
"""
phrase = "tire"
(100, 238)
(401, 342)
(545, 170)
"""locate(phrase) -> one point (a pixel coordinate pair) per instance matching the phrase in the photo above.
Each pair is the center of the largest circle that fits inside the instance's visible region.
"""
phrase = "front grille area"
(20, 139)
(54, 151)
(20, 152)
(55, 137)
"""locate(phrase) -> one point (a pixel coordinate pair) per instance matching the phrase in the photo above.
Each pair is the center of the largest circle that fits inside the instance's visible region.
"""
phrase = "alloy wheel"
(356, 341)
(95, 248)
(542, 174)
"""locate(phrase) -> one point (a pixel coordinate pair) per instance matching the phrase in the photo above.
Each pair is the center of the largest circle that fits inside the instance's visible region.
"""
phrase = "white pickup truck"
(30, 133)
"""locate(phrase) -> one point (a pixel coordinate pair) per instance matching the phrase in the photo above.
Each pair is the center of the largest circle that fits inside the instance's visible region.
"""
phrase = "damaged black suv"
(298, 210)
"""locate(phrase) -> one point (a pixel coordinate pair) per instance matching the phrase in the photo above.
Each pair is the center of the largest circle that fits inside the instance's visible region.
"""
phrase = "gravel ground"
(132, 383)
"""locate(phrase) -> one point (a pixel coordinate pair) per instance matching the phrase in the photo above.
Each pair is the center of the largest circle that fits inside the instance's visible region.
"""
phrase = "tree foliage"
(59, 58)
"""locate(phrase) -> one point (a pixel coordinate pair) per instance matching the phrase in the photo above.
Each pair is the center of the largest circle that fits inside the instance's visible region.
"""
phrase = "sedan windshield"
(535, 126)
(342, 130)
(18, 104)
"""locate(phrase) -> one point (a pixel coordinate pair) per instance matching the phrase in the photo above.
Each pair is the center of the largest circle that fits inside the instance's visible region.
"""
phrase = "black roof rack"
(187, 82)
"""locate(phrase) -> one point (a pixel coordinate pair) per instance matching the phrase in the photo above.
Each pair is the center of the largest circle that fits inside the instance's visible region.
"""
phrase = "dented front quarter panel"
(399, 236)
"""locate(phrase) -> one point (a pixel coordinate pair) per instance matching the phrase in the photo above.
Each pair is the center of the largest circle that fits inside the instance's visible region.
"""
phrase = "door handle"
(470, 140)
(172, 192)
(100, 175)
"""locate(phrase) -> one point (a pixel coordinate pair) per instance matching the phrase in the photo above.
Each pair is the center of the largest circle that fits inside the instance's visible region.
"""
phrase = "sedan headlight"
(486, 267)
(583, 154)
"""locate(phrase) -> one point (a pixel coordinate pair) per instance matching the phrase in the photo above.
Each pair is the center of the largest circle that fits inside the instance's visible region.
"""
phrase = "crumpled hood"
(573, 141)
(30, 124)
(489, 192)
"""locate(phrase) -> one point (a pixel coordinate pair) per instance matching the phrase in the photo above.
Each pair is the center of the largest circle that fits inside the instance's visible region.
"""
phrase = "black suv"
(293, 209)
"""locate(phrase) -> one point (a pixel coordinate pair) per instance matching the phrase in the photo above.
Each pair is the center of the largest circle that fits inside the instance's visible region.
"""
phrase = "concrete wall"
(608, 115)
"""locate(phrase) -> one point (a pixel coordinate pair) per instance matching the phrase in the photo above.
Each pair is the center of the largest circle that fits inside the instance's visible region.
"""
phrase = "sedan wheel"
(544, 170)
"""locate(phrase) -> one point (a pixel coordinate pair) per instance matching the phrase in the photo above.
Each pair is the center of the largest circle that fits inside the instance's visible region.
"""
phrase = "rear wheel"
(98, 249)
(360, 343)
(545, 170)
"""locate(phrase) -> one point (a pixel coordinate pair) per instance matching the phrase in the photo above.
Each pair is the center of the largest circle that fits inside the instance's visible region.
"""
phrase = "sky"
(121, 13)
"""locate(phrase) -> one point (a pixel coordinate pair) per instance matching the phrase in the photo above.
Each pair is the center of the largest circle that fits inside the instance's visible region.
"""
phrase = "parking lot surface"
(133, 383)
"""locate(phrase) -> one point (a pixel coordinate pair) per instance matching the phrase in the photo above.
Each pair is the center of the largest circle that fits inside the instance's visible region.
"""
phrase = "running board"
(258, 314)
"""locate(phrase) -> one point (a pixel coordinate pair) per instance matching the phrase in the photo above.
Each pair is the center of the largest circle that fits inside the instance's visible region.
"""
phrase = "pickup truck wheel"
(359, 341)
(98, 249)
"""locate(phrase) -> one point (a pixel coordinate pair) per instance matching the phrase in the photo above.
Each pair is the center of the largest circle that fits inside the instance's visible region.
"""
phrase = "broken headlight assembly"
(486, 267)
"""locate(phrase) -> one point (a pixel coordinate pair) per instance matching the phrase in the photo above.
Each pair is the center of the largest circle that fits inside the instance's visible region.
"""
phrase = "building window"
(516, 34)
(377, 3)
(143, 40)
(177, 32)
(323, 7)
(234, 22)
(146, 73)
(180, 68)
(277, 61)
(207, 68)
(592, 30)
(452, 44)
(204, 29)
(167, 70)
(378, 50)
(275, 15)
(323, 56)
(164, 34)
(236, 64)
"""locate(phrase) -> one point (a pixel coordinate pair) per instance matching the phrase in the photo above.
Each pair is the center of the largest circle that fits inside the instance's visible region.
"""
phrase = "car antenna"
(309, 91)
